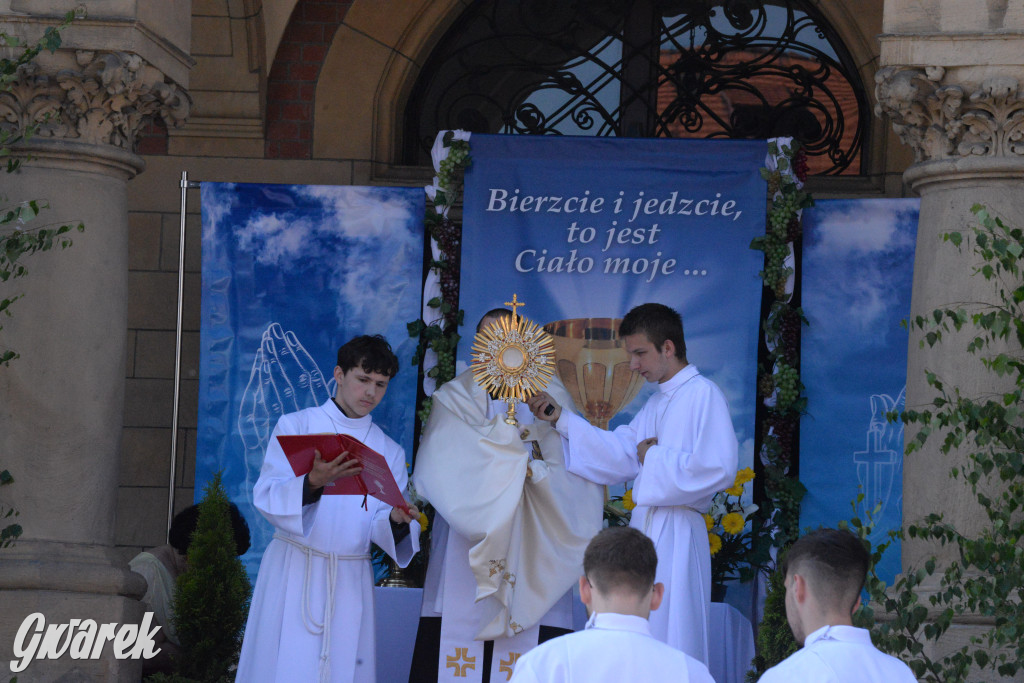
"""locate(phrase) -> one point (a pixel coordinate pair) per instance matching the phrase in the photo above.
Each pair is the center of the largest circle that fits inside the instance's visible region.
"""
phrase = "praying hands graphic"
(284, 378)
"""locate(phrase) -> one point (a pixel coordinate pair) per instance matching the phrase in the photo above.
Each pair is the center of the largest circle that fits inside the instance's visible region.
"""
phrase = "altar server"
(312, 608)
(508, 538)
(681, 450)
(619, 591)
(825, 572)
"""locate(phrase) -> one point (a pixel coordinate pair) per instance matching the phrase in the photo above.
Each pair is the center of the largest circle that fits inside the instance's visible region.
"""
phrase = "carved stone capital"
(940, 119)
(102, 99)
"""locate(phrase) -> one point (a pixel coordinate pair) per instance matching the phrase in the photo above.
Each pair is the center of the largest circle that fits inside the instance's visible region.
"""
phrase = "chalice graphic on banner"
(512, 359)
(594, 366)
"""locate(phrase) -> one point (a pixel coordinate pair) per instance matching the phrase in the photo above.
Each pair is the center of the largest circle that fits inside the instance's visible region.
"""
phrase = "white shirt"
(839, 654)
(614, 648)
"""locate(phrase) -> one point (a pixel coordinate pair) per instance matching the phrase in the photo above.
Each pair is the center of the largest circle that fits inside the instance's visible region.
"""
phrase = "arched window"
(644, 68)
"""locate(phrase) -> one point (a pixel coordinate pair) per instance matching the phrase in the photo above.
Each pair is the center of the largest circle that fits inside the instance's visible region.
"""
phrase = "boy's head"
(825, 572)
(653, 337)
(619, 568)
(365, 366)
(659, 324)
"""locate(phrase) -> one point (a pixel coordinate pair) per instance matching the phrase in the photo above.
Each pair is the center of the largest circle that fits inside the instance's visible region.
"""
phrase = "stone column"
(950, 83)
(62, 402)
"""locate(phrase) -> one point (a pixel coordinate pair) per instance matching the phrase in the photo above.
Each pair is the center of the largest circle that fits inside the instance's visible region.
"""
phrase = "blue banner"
(583, 229)
(858, 265)
(290, 273)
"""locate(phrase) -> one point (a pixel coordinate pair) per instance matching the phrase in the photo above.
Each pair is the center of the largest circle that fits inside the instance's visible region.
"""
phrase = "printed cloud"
(865, 252)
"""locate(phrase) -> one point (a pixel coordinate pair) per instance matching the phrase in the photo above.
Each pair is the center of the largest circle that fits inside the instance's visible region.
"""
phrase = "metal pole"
(185, 186)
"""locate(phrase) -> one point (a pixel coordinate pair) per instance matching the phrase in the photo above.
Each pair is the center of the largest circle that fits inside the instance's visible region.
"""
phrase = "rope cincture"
(308, 621)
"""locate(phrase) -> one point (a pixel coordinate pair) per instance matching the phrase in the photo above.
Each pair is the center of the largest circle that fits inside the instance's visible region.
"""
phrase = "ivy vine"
(440, 335)
(779, 377)
(17, 240)
(985, 578)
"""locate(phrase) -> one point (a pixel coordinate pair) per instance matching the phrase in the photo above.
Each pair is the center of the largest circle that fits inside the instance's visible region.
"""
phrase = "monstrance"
(513, 359)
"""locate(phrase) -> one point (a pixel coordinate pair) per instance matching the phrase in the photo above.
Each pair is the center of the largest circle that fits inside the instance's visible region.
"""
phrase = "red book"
(375, 479)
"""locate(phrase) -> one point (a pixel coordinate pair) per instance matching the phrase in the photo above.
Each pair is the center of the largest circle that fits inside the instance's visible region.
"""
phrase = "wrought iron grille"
(644, 68)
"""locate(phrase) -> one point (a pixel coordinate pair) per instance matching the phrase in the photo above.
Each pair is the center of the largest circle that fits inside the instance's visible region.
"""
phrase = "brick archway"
(291, 84)
(341, 75)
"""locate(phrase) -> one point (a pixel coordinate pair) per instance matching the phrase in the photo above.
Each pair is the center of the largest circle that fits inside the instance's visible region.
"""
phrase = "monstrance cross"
(515, 304)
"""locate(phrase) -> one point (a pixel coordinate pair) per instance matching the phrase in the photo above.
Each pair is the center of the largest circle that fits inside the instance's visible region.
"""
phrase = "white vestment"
(695, 457)
(318, 564)
(839, 654)
(509, 547)
(613, 648)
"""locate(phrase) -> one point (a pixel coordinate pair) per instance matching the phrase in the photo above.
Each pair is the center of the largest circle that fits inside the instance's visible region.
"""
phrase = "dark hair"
(834, 562)
(372, 353)
(620, 557)
(659, 323)
(184, 525)
(496, 313)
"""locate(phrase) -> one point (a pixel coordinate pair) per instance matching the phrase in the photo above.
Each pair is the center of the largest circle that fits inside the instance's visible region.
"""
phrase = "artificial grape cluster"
(776, 273)
(445, 351)
(787, 381)
(449, 237)
(800, 165)
(451, 167)
(789, 334)
(784, 208)
(448, 234)
(785, 432)
(788, 505)
(793, 229)
(424, 412)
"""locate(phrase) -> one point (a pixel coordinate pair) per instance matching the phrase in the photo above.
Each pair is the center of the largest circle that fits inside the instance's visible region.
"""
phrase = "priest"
(311, 616)
(508, 538)
(681, 449)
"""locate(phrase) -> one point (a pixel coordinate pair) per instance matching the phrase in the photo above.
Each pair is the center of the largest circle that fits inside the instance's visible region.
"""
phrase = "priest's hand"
(544, 407)
(400, 516)
(641, 448)
(325, 472)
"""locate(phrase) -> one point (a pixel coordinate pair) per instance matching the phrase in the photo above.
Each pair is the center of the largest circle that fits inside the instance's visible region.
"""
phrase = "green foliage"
(775, 639)
(442, 337)
(618, 509)
(9, 68)
(21, 242)
(779, 379)
(16, 239)
(212, 599)
(986, 577)
(11, 531)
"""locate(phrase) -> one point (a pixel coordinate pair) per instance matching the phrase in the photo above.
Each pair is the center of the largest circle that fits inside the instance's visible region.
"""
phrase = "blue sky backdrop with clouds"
(858, 266)
(291, 272)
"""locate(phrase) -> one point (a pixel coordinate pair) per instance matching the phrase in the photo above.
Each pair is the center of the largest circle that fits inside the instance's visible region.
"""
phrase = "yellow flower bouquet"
(617, 509)
(739, 543)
